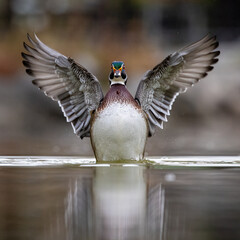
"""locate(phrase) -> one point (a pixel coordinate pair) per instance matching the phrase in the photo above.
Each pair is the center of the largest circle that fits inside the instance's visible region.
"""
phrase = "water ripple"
(175, 161)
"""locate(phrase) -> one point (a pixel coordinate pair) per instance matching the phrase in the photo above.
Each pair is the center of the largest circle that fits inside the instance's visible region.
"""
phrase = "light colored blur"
(205, 120)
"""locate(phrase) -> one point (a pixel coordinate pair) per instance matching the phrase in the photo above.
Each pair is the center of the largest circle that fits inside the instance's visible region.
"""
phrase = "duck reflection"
(117, 204)
(78, 213)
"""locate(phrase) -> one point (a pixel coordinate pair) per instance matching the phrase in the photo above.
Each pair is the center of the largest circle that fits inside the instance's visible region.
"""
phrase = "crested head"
(118, 74)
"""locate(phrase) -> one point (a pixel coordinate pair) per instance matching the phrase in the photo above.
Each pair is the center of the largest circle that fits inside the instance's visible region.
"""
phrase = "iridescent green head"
(118, 74)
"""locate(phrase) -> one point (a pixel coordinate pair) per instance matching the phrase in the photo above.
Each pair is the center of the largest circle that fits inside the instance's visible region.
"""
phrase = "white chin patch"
(118, 80)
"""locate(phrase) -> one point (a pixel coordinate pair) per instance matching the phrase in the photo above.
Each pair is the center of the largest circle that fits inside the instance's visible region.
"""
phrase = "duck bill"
(117, 73)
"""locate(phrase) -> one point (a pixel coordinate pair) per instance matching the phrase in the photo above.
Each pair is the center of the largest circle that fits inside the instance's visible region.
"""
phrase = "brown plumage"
(118, 93)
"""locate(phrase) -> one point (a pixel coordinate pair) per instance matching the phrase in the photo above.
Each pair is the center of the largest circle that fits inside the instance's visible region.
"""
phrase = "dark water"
(119, 201)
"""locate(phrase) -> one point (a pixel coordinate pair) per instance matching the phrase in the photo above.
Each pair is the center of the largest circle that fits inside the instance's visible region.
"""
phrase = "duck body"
(119, 127)
(118, 124)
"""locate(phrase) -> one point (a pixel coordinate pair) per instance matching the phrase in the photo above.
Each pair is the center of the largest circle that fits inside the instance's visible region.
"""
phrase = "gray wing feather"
(174, 75)
(77, 91)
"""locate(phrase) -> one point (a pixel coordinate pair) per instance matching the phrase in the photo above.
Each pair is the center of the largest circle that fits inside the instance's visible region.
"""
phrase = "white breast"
(119, 132)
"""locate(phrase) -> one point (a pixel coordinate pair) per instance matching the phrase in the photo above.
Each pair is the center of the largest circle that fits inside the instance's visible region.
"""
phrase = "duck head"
(118, 74)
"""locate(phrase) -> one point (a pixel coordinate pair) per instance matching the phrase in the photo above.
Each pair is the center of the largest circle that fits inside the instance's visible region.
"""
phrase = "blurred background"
(204, 121)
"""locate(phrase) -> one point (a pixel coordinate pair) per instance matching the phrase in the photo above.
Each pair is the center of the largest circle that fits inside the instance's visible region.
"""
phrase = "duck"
(118, 123)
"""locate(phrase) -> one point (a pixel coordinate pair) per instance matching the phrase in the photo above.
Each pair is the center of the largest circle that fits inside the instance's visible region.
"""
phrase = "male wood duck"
(118, 124)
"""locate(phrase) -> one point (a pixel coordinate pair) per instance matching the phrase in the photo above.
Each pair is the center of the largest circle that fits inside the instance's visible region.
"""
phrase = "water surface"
(75, 198)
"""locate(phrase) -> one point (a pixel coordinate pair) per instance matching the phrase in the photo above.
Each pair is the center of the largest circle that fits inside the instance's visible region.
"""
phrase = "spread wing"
(77, 91)
(160, 86)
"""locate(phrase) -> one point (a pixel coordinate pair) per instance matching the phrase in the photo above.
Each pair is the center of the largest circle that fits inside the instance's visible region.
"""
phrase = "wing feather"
(77, 91)
(160, 86)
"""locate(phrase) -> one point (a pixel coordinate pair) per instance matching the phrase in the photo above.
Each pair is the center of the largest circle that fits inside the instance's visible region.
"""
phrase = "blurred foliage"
(122, 28)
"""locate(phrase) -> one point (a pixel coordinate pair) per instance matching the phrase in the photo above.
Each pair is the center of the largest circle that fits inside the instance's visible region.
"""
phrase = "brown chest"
(118, 93)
